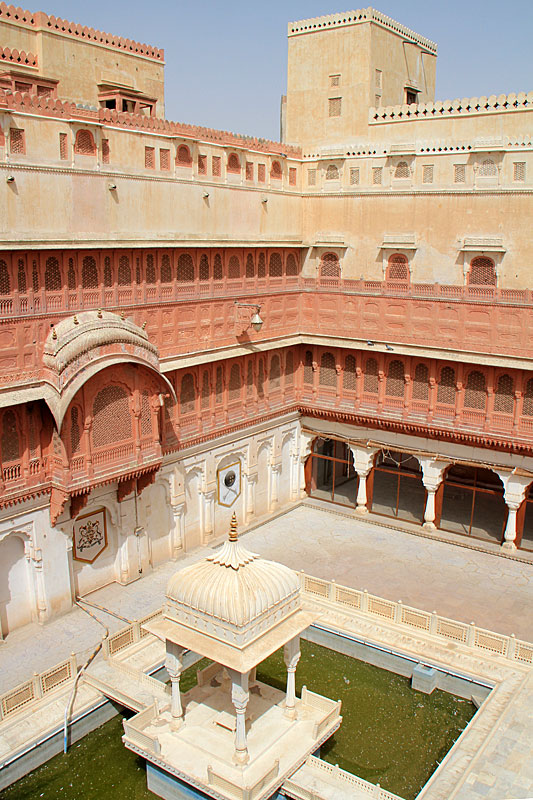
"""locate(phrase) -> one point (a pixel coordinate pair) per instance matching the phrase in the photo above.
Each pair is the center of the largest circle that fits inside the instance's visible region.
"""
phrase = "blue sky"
(226, 61)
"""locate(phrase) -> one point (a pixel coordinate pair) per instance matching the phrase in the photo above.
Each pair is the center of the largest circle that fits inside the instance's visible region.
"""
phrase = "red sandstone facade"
(130, 375)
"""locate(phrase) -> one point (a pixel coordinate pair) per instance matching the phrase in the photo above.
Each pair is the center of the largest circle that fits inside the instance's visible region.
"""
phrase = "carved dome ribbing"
(233, 586)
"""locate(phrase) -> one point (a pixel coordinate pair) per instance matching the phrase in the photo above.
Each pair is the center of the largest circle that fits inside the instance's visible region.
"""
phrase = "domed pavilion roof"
(234, 607)
(233, 585)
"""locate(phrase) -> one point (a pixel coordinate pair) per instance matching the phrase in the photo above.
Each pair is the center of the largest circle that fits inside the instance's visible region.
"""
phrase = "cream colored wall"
(72, 202)
(400, 62)
(18, 36)
(81, 65)
(354, 52)
(312, 59)
(439, 221)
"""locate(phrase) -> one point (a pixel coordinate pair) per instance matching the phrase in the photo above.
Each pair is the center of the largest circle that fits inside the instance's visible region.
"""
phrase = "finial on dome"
(233, 533)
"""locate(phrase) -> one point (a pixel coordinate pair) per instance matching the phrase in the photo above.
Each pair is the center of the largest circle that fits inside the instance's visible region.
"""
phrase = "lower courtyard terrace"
(457, 583)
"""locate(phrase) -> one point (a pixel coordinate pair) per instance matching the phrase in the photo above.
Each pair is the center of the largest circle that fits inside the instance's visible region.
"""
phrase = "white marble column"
(306, 443)
(174, 667)
(432, 474)
(515, 487)
(208, 514)
(363, 458)
(250, 487)
(291, 654)
(176, 534)
(239, 698)
(275, 471)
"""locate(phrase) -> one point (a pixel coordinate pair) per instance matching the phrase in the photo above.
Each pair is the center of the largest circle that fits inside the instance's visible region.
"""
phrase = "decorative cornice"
(418, 429)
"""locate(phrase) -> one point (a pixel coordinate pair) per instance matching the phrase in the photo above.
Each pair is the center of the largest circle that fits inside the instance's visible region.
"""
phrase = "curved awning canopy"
(86, 343)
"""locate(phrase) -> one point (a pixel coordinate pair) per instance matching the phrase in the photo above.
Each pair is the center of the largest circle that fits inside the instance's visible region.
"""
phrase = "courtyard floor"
(494, 592)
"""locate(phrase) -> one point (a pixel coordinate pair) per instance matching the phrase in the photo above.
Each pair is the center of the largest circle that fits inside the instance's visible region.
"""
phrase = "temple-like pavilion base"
(198, 757)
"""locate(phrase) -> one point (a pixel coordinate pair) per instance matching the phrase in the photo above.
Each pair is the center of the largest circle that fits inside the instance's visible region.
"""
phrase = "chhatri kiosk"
(231, 737)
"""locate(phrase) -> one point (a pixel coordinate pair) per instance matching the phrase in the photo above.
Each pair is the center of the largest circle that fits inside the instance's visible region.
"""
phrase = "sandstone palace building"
(382, 244)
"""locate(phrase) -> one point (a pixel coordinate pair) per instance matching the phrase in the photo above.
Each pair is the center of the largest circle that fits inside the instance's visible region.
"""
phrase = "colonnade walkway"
(464, 584)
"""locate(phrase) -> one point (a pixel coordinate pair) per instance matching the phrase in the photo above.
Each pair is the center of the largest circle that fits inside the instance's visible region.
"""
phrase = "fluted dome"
(233, 587)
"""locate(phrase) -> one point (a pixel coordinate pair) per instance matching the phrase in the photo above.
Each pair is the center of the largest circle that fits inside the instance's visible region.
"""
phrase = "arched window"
(476, 391)
(291, 267)
(329, 266)
(203, 268)
(527, 407)
(218, 385)
(21, 277)
(261, 266)
(124, 271)
(328, 372)
(35, 276)
(234, 164)
(75, 432)
(52, 275)
(84, 144)
(111, 417)
(234, 268)
(146, 414)
(261, 379)
(487, 169)
(395, 384)
(421, 383)
(398, 268)
(482, 272)
(10, 437)
(275, 170)
(150, 269)
(447, 387)
(166, 269)
(187, 394)
(217, 267)
(308, 367)
(206, 390)
(332, 173)
(250, 266)
(371, 376)
(289, 369)
(402, 170)
(89, 273)
(250, 379)
(184, 156)
(185, 270)
(5, 283)
(504, 395)
(108, 274)
(275, 266)
(349, 375)
(234, 388)
(275, 373)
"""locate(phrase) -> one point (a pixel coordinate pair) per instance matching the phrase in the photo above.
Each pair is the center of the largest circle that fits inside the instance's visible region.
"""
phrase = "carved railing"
(345, 598)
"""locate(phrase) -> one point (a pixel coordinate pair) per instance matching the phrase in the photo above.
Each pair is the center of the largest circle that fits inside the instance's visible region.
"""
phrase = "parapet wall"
(67, 110)
(40, 21)
(21, 58)
(467, 106)
(315, 24)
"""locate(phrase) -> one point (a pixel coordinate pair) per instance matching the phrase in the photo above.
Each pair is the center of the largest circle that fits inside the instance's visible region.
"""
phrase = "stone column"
(363, 458)
(208, 514)
(176, 534)
(306, 443)
(250, 487)
(239, 698)
(174, 667)
(291, 653)
(432, 472)
(515, 487)
(275, 470)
